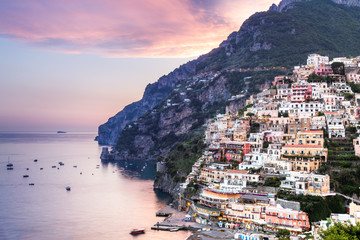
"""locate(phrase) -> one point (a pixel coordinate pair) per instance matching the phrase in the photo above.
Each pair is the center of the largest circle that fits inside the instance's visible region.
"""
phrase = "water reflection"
(106, 200)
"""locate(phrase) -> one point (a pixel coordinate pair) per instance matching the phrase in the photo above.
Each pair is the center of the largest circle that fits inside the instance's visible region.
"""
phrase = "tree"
(342, 232)
(283, 234)
(338, 68)
(348, 96)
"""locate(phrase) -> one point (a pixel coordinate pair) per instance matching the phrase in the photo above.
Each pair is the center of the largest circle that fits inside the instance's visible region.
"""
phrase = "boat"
(31, 184)
(10, 168)
(9, 163)
(137, 231)
(35, 160)
(68, 188)
(25, 176)
(27, 169)
(53, 166)
(41, 168)
(61, 132)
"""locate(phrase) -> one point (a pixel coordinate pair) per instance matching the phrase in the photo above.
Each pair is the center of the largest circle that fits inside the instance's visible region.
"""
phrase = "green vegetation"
(343, 165)
(192, 189)
(283, 234)
(183, 156)
(348, 96)
(127, 137)
(281, 114)
(273, 181)
(315, 78)
(355, 87)
(308, 28)
(342, 232)
(243, 110)
(338, 68)
(316, 207)
(237, 81)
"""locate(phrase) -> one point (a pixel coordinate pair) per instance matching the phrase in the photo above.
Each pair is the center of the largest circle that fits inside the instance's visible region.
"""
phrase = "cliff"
(109, 132)
(182, 101)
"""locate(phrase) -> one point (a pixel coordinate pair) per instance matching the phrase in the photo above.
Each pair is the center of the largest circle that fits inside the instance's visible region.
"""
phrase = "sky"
(71, 64)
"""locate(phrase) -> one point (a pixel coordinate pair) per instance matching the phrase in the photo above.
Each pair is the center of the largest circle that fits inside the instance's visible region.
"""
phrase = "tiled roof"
(237, 171)
(303, 146)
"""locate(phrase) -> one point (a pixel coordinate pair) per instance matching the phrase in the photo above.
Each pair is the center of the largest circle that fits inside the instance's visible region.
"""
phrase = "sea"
(106, 200)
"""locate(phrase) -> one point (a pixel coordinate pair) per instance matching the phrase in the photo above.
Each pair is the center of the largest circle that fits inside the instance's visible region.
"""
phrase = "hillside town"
(278, 143)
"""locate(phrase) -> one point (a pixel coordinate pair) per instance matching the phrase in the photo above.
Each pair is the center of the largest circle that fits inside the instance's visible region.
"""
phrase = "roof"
(255, 197)
(207, 208)
(236, 171)
(314, 131)
(302, 146)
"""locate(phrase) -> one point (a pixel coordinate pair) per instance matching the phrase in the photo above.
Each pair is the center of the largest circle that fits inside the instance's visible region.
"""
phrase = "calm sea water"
(106, 201)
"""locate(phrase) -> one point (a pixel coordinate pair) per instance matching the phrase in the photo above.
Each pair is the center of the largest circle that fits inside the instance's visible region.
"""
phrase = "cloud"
(123, 28)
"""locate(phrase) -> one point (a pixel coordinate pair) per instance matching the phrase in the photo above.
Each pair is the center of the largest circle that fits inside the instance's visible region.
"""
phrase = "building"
(304, 157)
(248, 208)
(311, 137)
(356, 143)
(307, 184)
(335, 125)
(353, 76)
(323, 70)
(315, 60)
(218, 199)
(279, 217)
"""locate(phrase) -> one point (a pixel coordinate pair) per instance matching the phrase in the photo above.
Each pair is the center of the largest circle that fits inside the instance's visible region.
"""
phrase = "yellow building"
(211, 175)
(218, 199)
(310, 138)
(305, 157)
(355, 211)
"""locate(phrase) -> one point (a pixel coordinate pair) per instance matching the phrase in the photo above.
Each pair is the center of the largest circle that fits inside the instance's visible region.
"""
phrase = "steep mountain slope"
(282, 36)
(109, 132)
(286, 34)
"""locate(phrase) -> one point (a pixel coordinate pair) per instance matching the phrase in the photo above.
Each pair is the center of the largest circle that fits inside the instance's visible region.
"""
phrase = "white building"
(307, 183)
(305, 110)
(315, 60)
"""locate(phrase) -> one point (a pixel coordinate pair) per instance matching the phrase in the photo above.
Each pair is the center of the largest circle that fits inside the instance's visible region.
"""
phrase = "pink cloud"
(123, 28)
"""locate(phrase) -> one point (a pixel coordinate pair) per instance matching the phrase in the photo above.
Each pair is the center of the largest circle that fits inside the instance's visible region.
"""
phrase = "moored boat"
(137, 231)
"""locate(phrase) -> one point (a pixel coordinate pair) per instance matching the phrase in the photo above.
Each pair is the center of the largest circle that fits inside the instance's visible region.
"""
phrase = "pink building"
(278, 80)
(353, 76)
(281, 217)
(323, 70)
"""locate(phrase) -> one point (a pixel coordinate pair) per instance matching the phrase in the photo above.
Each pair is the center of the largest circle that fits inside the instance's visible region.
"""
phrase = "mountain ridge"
(266, 39)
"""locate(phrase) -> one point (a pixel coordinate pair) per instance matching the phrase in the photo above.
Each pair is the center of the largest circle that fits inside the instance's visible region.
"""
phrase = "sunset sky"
(72, 64)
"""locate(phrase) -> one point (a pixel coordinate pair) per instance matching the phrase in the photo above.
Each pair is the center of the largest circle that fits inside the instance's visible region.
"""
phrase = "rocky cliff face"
(166, 183)
(274, 38)
(185, 110)
(109, 132)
